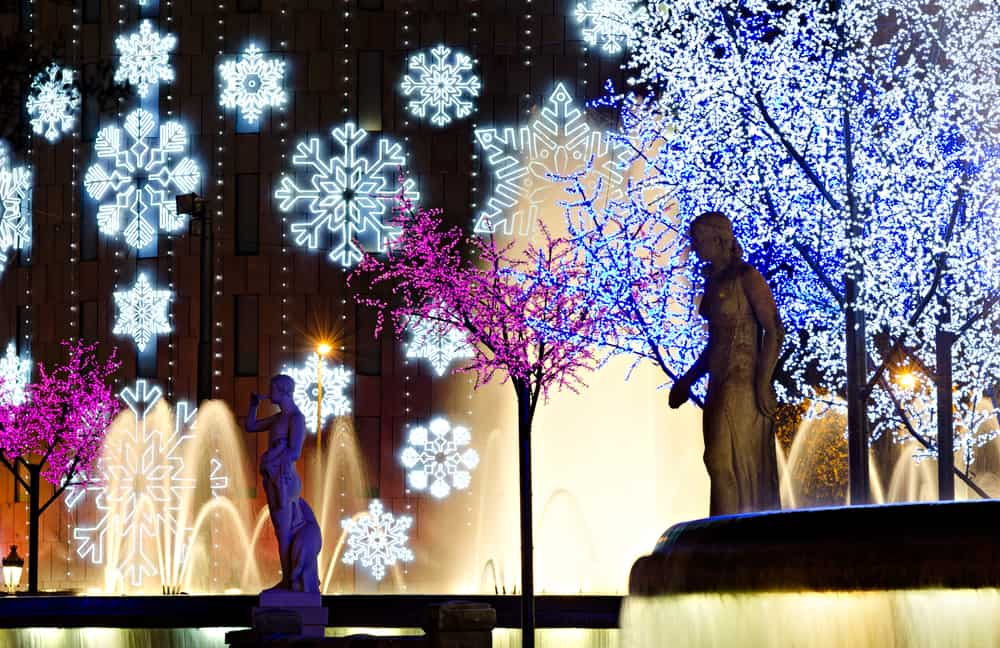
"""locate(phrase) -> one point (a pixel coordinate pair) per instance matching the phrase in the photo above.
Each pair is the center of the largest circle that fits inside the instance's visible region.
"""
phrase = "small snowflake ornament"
(140, 171)
(15, 207)
(335, 379)
(144, 58)
(443, 89)
(52, 102)
(377, 539)
(252, 83)
(348, 198)
(15, 372)
(437, 342)
(611, 24)
(142, 312)
(438, 457)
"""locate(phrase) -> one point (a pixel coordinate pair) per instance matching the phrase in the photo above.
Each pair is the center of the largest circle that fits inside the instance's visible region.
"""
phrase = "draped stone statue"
(745, 334)
(298, 534)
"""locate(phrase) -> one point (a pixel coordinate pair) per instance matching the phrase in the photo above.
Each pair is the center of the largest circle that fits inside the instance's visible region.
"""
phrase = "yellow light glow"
(323, 348)
(907, 380)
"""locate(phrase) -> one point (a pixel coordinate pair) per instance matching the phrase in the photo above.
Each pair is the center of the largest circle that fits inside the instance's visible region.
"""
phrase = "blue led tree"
(854, 146)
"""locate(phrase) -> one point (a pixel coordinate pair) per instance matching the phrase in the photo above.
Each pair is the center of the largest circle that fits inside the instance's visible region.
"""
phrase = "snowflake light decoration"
(435, 456)
(144, 58)
(252, 83)
(558, 141)
(52, 102)
(377, 539)
(141, 482)
(440, 85)
(15, 207)
(335, 381)
(348, 196)
(143, 177)
(437, 342)
(608, 23)
(142, 312)
(15, 372)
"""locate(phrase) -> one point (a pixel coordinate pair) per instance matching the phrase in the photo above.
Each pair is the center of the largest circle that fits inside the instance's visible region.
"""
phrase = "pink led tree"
(56, 434)
(491, 293)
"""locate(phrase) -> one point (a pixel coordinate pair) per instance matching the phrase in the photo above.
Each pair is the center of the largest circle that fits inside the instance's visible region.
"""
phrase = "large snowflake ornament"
(143, 177)
(348, 196)
(53, 101)
(15, 372)
(144, 58)
(559, 142)
(612, 24)
(437, 342)
(437, 456)
(441, 87)
(142, 312)
(377, 539)
(252, 83)
(15, 207)
(335, 380)
(141, 482)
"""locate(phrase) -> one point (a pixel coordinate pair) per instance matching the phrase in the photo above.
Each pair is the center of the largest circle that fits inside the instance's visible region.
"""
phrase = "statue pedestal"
(290, 613)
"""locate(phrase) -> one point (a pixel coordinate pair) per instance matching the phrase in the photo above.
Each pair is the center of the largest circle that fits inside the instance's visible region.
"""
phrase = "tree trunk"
(945, 426)
(527, 544)
(857, 398)
(35, 483)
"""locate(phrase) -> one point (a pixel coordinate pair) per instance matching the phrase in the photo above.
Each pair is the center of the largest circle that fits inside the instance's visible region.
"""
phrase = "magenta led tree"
(56, 434)
(491, 293)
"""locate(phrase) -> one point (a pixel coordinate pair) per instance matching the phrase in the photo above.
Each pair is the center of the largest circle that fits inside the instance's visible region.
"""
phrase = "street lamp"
(13, 564)
(322, 350)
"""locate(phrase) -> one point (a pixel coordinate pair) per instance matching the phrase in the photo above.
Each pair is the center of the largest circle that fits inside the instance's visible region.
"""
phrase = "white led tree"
(15, 207)
(377, 539)
(137, 175)
(252, 83)
(609, 24)
(443, 89)
(854, 143)
(437, 458)
(336, 380)
(142, 312)
(348, 198)
(558, 140)
(144, 58)
(53, 101)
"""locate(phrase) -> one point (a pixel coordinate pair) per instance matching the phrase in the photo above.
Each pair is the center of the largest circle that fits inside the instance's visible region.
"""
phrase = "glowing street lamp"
(907, 380)
(322, 350)
(13, 564)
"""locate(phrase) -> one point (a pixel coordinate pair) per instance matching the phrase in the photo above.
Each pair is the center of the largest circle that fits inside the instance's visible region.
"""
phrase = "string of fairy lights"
(171, 244)
(284, 26)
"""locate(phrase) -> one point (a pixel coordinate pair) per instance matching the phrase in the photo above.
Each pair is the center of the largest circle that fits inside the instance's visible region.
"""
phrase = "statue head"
(712, 239)
(282, 389)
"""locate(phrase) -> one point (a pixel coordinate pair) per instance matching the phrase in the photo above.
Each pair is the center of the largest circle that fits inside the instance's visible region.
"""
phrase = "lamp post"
(13, 565)
(322, 349)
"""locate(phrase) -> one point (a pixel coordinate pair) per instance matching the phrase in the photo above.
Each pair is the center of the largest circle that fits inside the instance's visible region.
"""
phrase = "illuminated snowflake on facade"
(144, 58)
(52, 102)
(557, 141)
(142, 312)
(437, 457)
(349, 197)
(143, 177)
(142, 480)
(437, 342)
(252, 83)
(377, 539)
(608, 23)
(336, 379)
(15, 207)
(15, 372)
(440, 86)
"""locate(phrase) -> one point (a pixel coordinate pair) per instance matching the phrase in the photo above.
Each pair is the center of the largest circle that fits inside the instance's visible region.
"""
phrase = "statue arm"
(255, 425)
(766, 313)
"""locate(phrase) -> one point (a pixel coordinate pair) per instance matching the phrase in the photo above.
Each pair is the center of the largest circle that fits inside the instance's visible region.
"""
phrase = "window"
(247, 333)
(88, 320)
(91, 12)
(370, 90)
(247, 214)
(24, 326)
(369, 348)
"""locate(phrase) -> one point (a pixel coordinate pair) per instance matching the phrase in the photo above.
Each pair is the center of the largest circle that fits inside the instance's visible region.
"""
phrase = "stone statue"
(299, 537)
(745, 334)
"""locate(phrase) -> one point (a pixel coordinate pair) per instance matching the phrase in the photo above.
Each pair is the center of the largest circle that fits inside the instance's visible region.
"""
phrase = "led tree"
(491, 296)
(57, 432)
(854, 144)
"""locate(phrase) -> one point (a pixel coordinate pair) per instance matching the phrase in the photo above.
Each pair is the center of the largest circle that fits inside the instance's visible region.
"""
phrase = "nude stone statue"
(295, 526)
(745, 335)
